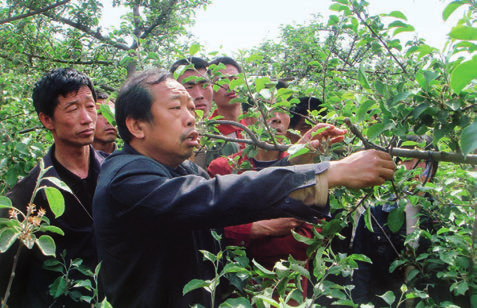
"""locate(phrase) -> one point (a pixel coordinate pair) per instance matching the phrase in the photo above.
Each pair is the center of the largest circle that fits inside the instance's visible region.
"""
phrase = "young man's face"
(198, 88)
(74, 119)
(224, 95)
(279, 121)
(105, 132)
(170, 137)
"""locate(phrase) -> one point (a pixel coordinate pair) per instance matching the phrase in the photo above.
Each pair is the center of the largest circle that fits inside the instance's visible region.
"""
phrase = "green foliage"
(65, 285)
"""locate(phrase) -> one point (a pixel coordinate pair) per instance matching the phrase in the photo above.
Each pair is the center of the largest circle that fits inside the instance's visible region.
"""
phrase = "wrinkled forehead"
(168, 90)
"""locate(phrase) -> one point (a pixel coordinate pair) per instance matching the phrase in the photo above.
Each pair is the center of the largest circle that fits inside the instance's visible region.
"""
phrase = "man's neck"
(231, 113)
(106, 147)
(263, 155)
(75, 159)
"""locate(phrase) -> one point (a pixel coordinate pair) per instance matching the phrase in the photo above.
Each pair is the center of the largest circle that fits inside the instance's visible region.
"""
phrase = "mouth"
(232, 94)
(111, 130)
(200, 106)
(192, 138)
(86, 132)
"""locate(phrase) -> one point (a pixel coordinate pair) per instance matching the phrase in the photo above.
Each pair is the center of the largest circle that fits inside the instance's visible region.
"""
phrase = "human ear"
(46, 120)
(136, 127)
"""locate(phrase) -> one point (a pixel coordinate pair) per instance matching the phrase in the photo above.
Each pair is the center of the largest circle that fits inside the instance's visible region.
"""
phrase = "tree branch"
(96, 34)
(35, 12)
(380, 39)
(253, 139)
(160, 20)
(95, 62)
(436, 156)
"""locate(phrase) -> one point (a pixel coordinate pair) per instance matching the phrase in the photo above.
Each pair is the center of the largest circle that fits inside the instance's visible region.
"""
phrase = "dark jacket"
(375, 279)
(151, 220)
(30, 285)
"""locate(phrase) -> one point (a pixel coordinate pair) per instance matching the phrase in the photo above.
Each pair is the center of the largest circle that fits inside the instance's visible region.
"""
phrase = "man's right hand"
(273, 227)
(361, 169)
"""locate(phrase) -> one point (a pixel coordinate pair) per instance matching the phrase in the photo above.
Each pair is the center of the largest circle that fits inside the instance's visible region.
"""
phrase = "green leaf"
(367, 219)
(240, 302)
(388, 297)
(58, 287)
(360, 257)
(407, 28)
(412, 273)
(209, 256)
(193, 285)
(52, 229)
(465, 33)
(362, 78)
(450, 8)
(5, 202)
(86, 283)
(375, 130)
(194, 48)
(396, 14)
(107, 113)
(297, 150)
(55, 200)
(363, 109)
(46, 245)
(105, 304)
(233, 268)
(7, 238)
(395, 219)
(468, 138)
(397, 24)
(463, 74)
(62, 185)
(400, 97)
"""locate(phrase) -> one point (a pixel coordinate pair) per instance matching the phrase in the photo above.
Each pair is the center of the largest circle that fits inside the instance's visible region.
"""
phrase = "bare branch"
(32, 13)
(436, 156)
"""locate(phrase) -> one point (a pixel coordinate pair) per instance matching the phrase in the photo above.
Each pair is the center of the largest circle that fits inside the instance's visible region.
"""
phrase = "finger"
(336, 139)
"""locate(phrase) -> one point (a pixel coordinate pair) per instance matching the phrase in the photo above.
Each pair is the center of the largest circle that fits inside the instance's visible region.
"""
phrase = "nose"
(275, 118)
(190, 117)
(196, 93)
(86, 116)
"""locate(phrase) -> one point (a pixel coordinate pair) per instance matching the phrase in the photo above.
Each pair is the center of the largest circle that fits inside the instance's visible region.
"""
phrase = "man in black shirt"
(65, 101)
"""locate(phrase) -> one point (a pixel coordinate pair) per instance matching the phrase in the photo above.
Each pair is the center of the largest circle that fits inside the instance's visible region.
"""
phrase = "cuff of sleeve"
(321, 192)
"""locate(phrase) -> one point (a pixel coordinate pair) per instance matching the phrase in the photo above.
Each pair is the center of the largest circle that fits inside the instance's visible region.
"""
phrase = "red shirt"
(268, 250)
(230, 130)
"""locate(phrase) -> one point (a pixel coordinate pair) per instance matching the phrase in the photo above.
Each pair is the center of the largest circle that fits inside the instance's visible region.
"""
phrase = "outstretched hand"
(315, 138)
(321, 132)
(361, 169)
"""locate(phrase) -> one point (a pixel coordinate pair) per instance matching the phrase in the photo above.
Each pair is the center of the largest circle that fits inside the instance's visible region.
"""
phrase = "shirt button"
(242, 243)
(287, 200)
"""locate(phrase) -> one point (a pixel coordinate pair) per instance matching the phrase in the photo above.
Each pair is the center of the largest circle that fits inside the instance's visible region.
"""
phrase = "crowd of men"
(146, 210)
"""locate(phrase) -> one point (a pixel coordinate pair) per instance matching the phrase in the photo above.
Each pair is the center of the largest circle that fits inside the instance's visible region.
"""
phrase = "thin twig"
(36, 12)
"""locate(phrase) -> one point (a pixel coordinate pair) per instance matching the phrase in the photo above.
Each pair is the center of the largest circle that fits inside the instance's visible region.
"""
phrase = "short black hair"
(198, 63)
(135, 99)
(60, 81)
(101, 95)
(301, 109)
(226, 61)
